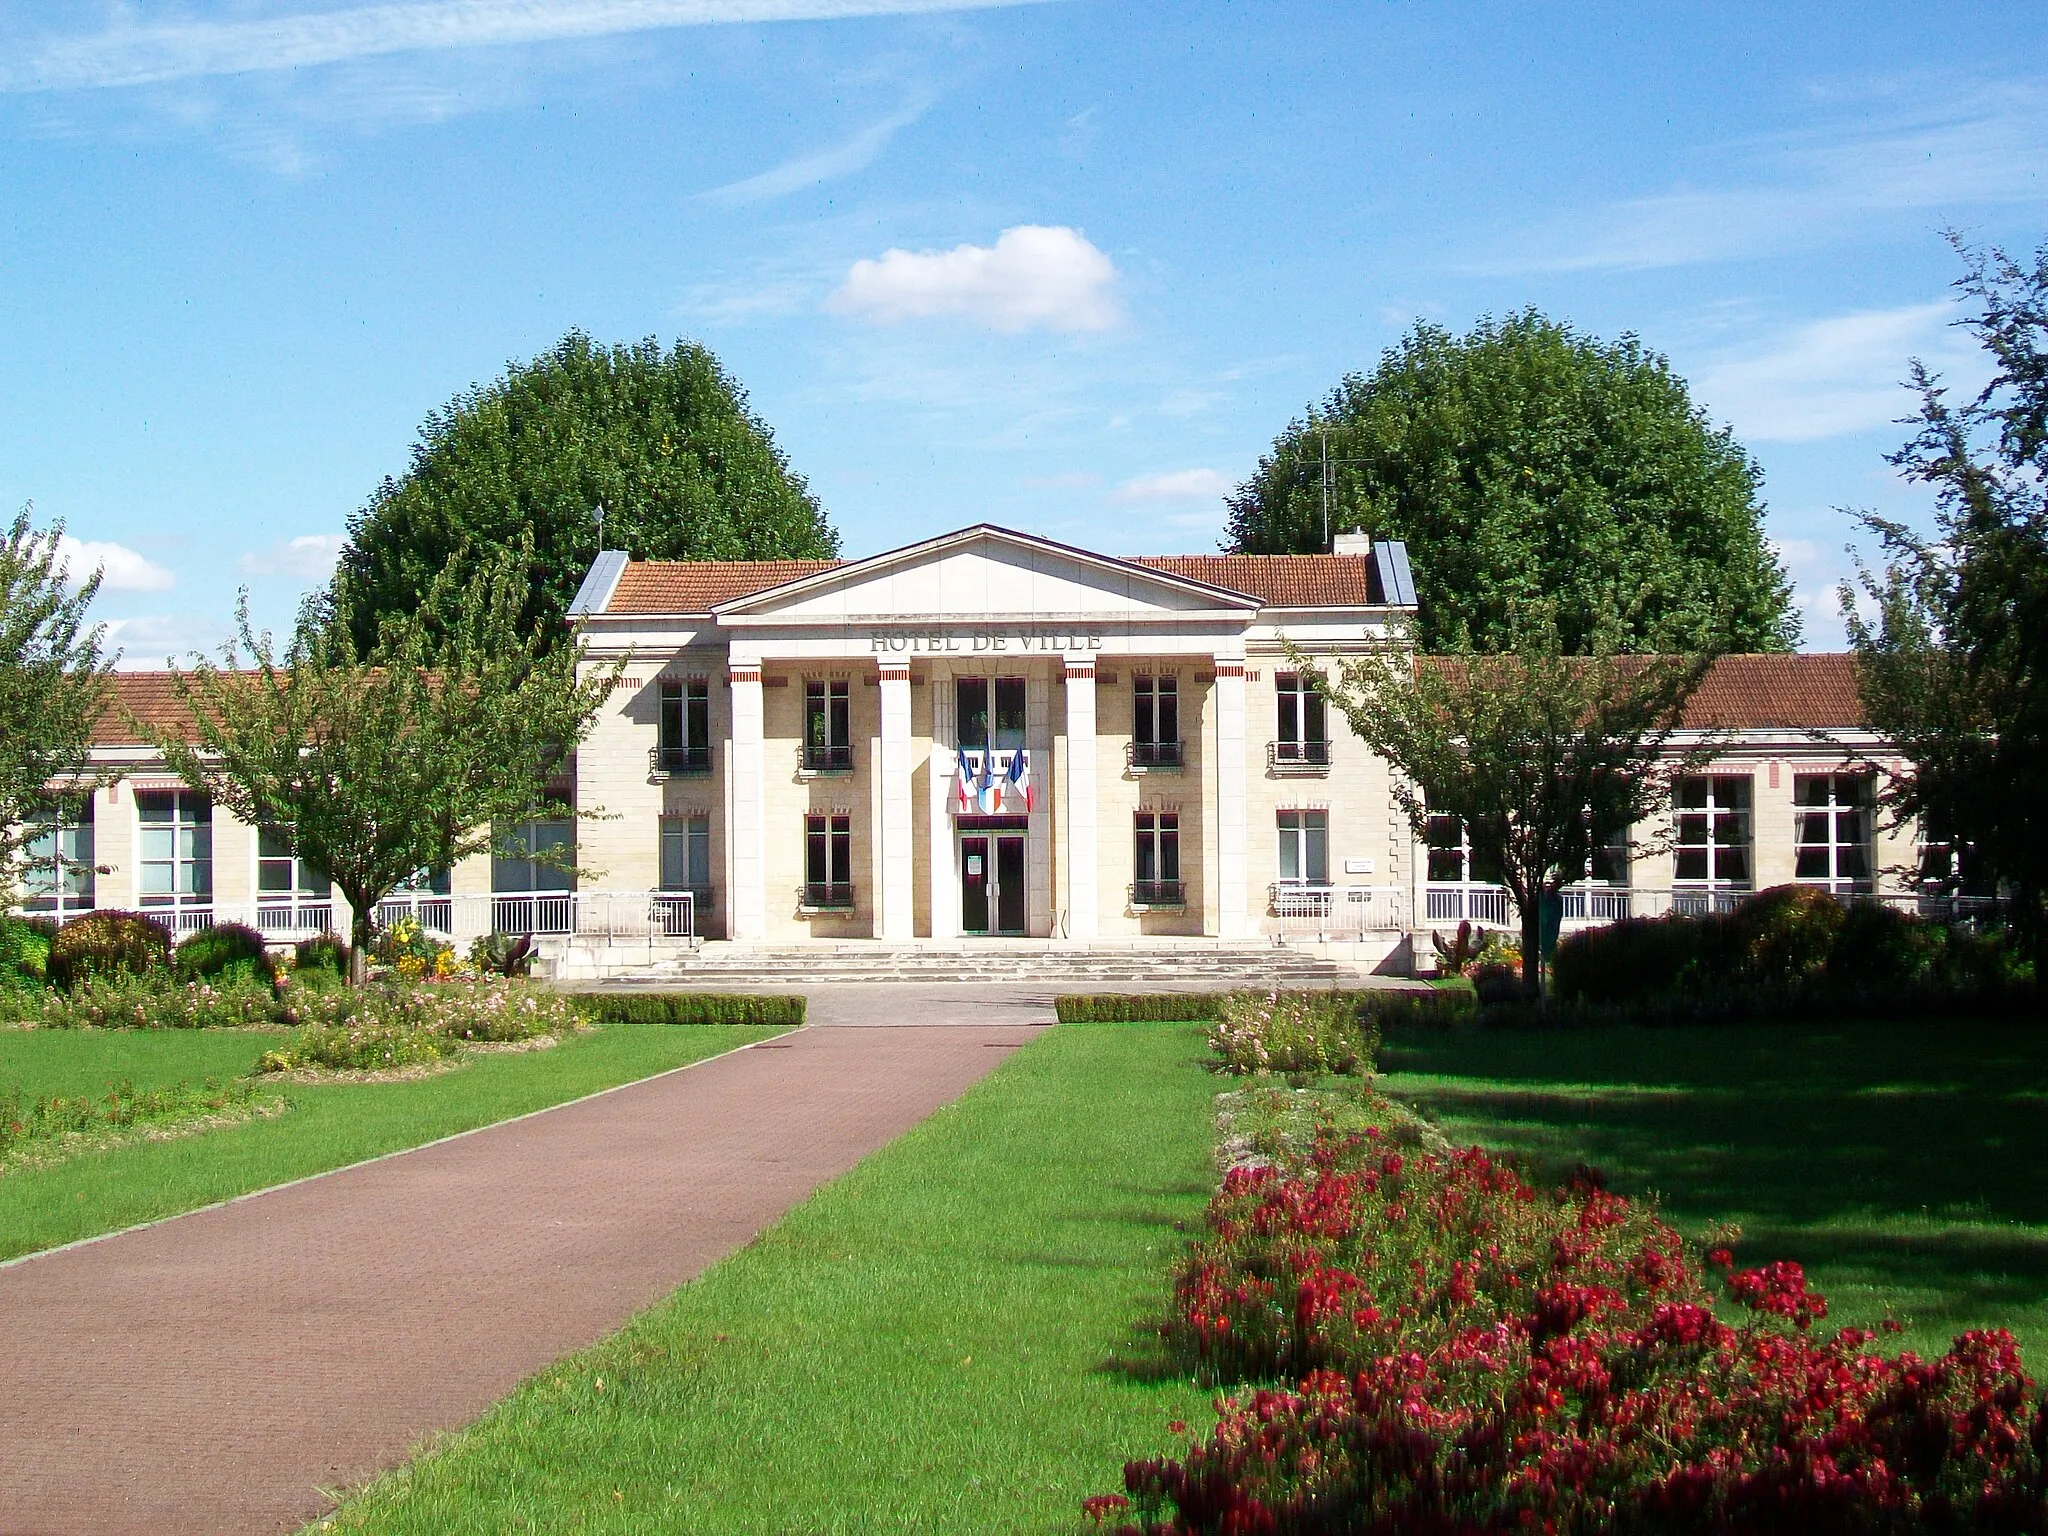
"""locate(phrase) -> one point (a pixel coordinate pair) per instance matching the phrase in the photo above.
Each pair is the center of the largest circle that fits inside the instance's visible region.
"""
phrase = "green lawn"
(328, 1126)
(1904, 1164)
(932, 1343)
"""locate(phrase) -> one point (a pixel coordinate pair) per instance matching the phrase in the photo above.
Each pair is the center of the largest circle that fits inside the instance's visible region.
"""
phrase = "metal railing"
(1154, 754)
(1159, 893)
(1298, 756)
(1466, 903)
(828, 896)
(1333, 911)
(827, 759)
(675, 762)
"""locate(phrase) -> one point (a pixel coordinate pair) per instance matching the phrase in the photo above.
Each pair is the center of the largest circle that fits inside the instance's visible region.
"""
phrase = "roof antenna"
(600, 527)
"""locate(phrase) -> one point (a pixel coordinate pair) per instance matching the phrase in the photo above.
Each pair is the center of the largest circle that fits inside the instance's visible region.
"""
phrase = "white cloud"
(121, 568)
(1174, 485)
(1035, 277)
(309, 557)
(1831, 377)
(127, 53)
(850, 158)
(146, 639)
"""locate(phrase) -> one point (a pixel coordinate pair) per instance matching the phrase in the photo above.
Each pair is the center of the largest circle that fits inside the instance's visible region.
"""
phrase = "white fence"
(1337, 911)
(633, 916)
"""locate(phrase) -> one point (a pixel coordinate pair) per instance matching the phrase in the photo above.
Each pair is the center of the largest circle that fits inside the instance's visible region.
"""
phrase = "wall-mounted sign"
(1358, 866)
(987, 642)
(974, 863)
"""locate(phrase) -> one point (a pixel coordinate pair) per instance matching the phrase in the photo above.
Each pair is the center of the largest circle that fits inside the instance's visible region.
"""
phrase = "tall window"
(177, 848)
(535, 855)
(1712, 815)
(828, 725)
(1832, 819)
(686, 855)
(685, 741)
(1302, 736)
(290, 893)
(1450, 857)
(57, 864)
(1156, 867)
(1304, 847)
(1155, 728)
(978, 729)
(828, 861)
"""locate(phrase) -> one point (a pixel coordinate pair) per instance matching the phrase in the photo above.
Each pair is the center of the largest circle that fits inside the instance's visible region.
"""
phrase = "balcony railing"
(1154, 754)
(1336, 911)
(1159, 893)
(828, 896)
(676, 762)
(828, 759)
(1298, 756)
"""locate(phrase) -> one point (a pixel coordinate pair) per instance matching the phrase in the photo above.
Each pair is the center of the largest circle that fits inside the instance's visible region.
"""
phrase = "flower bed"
(385, 1026)
(1446, 1348)
(149, 1002)
(1297, 1032)
(24, 1122)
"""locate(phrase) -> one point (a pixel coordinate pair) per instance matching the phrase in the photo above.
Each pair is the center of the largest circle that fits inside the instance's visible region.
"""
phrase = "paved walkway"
(213, 1373)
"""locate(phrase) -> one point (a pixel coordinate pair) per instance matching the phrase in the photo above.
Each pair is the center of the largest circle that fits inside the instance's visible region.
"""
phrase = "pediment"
(985, 573)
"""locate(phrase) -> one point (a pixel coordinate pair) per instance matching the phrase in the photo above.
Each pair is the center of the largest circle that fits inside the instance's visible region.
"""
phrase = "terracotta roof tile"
(1808, 691)
(698, 586)
(1280, 581)
(148, 696)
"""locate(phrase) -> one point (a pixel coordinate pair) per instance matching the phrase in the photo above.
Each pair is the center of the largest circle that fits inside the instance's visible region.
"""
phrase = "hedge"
(1384, 1006)
(693, 1008)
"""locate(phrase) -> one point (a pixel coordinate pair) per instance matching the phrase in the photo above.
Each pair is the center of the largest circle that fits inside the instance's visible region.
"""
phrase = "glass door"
(1010, 884)
(977, 876)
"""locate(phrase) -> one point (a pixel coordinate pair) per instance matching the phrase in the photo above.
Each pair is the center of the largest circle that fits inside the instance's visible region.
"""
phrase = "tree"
(1544, 756)
(1526, 463)
(663, 440)
(384, 763)
(1953, 662)
(53, 683)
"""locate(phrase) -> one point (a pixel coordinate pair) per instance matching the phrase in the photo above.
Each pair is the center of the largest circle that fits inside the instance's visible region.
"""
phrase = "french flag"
(1019, 778)
(965, 777)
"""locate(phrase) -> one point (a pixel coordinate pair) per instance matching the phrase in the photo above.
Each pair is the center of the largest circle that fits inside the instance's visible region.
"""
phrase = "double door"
(992, 883)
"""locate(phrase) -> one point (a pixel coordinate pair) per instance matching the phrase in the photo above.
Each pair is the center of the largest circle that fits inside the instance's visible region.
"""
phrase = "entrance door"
(992, 883)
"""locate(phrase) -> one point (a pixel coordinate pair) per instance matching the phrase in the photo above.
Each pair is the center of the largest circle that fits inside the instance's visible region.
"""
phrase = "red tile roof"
(1286, 581)
(1279, 581)
(698, 586)
(1812, 692)
(150, 698)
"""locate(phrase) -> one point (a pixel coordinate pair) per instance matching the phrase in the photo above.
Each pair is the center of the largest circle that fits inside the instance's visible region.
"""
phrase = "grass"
(1902, 1164)
(949, 1338)
(327, 1126)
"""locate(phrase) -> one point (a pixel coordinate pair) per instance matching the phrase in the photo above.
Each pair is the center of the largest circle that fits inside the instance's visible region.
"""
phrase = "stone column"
(894, 860)
(942, 852)
(746, 835)
(1233, 915)
(1079, 833)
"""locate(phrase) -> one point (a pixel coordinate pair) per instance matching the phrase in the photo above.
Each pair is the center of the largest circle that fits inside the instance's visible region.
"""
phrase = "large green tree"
(1953, 659)
(404, 757)
(1522, 463)
(662, 439)
(53, 682)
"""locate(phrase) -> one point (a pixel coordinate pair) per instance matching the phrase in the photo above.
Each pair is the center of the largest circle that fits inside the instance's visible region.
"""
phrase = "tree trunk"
(1532, 947)
(359, 930)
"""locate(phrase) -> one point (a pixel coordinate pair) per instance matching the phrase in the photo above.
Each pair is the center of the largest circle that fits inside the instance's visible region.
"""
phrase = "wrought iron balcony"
(828, 896)
(1154, 754)
(674, 762)
(1298, 756)
(828, 759)
(1159, 893)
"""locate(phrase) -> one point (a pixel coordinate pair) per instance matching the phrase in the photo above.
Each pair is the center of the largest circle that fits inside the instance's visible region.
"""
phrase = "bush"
(1138, 1007)
(322, 952)
(1783, 936)
(226, 950)
(692, 1008)
(369, 1044)
(156, 1002)
(503, 954)
(108, 943)
(25, 951)
(412, 952)
(1294, 1032)
(387, 1025)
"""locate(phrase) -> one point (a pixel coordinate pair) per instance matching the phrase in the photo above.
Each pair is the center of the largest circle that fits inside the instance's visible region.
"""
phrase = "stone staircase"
(1077, 968)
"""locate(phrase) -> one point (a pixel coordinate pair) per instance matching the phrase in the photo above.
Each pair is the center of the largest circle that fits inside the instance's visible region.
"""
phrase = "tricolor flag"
(985, 790)
(1019, 776)
(966, 777)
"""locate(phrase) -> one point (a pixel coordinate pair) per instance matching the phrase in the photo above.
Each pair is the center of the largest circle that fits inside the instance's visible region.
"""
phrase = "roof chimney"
(1351, 544)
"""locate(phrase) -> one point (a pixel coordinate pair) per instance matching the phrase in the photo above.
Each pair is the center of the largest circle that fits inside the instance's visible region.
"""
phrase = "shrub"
(388, 1024)
(25, 950)
(1138, 1007)
(1497, 982)
(367, 1044)
(1783, 936)
(412, 952)
(692, 1008)
(120, 1001)
(224, 950)
(1294, 1032)
(108, 943)
(502, 954)
(322, 952)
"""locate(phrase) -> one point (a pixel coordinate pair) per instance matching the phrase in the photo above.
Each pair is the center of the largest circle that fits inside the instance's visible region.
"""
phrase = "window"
(972, 722)
(534, 856)
(1156, 867)
(1712, 817)
(1609, 865)
(828, 727)
(177, 848)
(1302, 737)
(1155, 726)
(1450, 857)
(828, 861)
(290, 893)
(686, 854)
(1831, 830)
(1304, 847)
(685, 727)
(57, 872)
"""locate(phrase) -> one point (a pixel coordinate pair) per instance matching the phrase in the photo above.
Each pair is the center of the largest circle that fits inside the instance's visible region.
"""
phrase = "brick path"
(213, 1373)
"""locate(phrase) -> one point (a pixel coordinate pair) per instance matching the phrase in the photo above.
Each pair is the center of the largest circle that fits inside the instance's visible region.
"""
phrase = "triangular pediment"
(986, 573)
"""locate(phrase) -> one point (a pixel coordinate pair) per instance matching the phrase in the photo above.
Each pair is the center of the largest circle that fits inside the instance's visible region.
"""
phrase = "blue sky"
(1067, 266)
